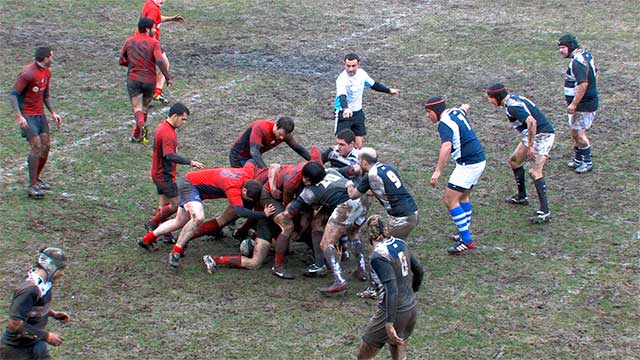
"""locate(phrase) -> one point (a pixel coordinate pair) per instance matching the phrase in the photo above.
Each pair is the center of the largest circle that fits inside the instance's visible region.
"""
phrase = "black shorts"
(235, 160)
(355, 123)
(36, 125)
(38, 350)
(266, 228)
(136, 88)
(167, 189)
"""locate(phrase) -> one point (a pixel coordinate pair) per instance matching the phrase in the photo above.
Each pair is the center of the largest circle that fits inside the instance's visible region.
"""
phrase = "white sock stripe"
(458, 217)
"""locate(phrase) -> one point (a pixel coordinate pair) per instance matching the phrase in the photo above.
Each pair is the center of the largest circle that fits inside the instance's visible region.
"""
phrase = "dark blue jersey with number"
(385, 182)
(465, 146)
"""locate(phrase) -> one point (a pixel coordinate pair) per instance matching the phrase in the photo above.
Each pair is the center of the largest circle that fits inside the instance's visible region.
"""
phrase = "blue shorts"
(187, 192)
(36, 125)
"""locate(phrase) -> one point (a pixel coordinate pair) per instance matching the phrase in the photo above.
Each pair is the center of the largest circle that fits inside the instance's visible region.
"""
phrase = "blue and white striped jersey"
(582, 68)
(519, 108)
(454, 127)
(353, 87)
(384, 180)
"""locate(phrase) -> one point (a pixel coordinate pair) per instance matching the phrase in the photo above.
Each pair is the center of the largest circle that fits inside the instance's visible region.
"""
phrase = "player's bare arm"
(445, 150)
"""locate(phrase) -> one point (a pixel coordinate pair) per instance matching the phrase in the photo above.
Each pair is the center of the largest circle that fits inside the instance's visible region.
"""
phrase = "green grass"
(563, 291)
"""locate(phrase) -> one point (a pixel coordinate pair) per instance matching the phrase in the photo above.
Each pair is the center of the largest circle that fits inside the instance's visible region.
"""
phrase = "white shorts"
(466, 176)
(581, 120)
(347, 213)
(542, 143)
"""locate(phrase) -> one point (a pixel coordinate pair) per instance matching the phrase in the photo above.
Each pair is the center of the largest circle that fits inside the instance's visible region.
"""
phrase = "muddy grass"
(568, 290)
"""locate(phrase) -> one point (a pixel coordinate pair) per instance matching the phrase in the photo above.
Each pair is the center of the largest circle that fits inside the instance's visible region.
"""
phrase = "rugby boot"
(584, 168)
(209, 264)
(460, 247)
(35, 192)
(144, 135)
(541, 217)
(334, 288)
(148, 247)
(359, 274)
(455, 237)
(169, 239)
(43, 185)
(574, 164)
(161, 99)
(368, 293)
(518, 200)
(315, 270)
(174, 260)
(282, 273)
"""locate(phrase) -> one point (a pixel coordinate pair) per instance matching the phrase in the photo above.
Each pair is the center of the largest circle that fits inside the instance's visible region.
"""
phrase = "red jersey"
(218, 183)
(258, 132)
(165, 142)
(32, 86)
(151, 10)
(140, 53)
(288, 181)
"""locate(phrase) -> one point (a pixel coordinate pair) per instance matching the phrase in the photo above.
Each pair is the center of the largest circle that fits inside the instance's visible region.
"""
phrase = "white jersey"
(352, 87)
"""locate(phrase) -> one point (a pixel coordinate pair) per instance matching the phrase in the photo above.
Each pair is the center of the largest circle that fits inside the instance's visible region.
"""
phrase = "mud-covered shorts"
(345, 214)
(36, 125)
(375, 333)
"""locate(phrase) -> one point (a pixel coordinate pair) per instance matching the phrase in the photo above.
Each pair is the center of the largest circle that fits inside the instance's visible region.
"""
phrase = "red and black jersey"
(218, 183)
(151, 10)
(288, 181)
(165, 142)
(140, 53)
(261, 174)
(258, 132)
(32, 87)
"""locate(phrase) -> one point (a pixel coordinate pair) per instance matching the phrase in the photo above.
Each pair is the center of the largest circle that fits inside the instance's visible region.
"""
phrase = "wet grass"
(567, 290)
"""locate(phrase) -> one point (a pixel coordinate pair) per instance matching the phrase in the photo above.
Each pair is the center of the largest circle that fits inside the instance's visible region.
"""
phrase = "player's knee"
(197, 218)
(535, 174)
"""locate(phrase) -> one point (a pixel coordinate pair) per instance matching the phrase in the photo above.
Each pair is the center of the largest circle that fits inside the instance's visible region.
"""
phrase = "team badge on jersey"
(35, 89)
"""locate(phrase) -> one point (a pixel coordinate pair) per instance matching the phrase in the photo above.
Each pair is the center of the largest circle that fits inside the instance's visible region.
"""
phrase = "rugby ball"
(246, 247)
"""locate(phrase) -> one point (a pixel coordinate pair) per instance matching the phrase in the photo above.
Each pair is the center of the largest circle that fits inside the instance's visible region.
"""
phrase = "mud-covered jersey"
(392, 261)
(465, 146)
(338, 160)
(288, 181)
(32, 86)
(30, 304)
(353, 87)
(329, 193)
(582, 68)
(519, 108)
(140, 53)
(386, 184)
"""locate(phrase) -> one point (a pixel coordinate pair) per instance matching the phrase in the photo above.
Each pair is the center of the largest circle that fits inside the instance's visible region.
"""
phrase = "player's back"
(386, 184)
(396, 253)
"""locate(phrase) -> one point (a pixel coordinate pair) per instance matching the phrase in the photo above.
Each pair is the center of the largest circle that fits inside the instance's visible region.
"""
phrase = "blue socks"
(462, 221)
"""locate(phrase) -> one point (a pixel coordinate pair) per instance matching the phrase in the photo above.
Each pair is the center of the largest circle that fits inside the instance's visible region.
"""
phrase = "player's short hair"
(314, 172)
(179, 109)
(351, 56)
(286, 123)
(347, 135)
(368, 154)
(41, 53)
(497, 91)
(376, 227)
(254, 189)
(144, 23)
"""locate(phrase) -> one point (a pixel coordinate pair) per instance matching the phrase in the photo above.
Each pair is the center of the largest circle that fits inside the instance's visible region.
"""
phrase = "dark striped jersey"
(582, 68)
(519, 108)
(385, 182)
(330, 192)
(465, 146)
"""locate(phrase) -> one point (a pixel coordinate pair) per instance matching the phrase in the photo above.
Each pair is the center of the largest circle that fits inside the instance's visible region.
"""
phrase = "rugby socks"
(41, 162)
(207, 228)
(163, 214)
(459, 217)
(578, 155)
(316, 237)
(282, 245)
(358, 253)
(158, 91)
(518, 174)
(585, 155)
(149, 238)
(331, 257)
(541, 189)
(140, 119)
(177, 249)
(468, 210)
(32, 162)
(233, 260)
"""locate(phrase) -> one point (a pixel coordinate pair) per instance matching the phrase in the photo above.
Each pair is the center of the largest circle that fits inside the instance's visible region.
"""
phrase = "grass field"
(566, 290)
